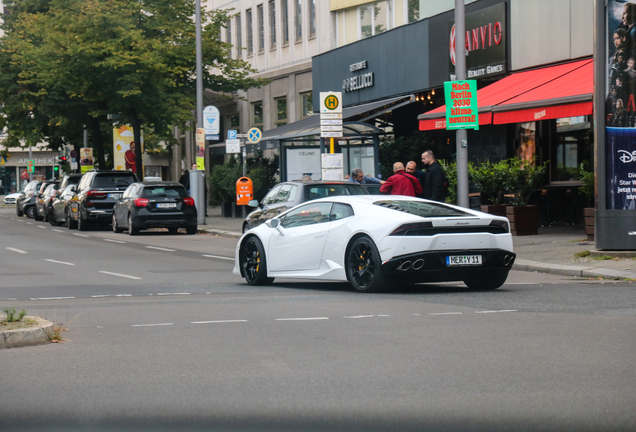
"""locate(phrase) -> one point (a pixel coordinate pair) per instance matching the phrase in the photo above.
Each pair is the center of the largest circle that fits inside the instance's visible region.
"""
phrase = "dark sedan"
(286, 195)
(155, 205)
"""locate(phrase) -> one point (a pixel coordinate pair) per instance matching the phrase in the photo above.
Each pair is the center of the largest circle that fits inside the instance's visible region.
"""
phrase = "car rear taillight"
(188, 201)
(95, 194)
(141, 202)
(411, 229)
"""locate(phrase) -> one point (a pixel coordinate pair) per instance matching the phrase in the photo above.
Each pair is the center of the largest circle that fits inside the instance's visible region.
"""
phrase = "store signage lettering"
(307, 153)
(539, 115)
(42, 161)
(357, 82)
(461, 105)
(358, 66)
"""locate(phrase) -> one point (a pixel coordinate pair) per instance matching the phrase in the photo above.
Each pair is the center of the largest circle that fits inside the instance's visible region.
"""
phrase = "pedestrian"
(185, 180)
(411, 168)
(401, 183)
(357, 176)
(436, 182)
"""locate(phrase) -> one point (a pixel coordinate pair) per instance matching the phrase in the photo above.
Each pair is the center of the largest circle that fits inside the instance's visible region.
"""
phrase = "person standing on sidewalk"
(401, 183)
(411, 168)
(436, 182)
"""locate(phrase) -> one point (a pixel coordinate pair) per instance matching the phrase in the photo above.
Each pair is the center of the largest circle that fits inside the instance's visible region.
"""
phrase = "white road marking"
(114, 241)
(123, 295)
(52, 298)
(120, 275)
(446, 313)
(497, 311)
(56, 230)
(29, 223)
(59, 262)
(161, 249)
(16, 250)
(41, 226)
(100, 296)
(80, 235)
(360, 316)
(219, 257)
(166, 294)
(301, 319)
(152, 325)
(219, 321)
(383, 315)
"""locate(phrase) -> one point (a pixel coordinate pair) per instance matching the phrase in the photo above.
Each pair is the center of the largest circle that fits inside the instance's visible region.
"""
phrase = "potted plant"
(522, 179)
(587, 190)
(222, 181)
(489, 177)
(450, 169)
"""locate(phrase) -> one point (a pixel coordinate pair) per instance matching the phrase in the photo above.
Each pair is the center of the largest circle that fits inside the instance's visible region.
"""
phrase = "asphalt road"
(189, 346)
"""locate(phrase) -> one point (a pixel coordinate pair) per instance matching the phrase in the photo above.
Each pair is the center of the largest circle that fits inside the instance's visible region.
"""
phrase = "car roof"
(320, 182)
(159, 183)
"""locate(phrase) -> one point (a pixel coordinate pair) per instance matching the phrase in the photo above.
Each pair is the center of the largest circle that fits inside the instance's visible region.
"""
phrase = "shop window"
(312, 18)
(281, 111)
(413, 10)
(272, 23)
(299, 20)
(284, 10)
(527, 141)
(573, 148)
(250, 34)
(375, 18)
(306, 104)
(261, 28)
(257, 114)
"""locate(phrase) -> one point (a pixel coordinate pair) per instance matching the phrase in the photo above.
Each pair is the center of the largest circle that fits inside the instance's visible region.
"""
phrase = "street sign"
(73, 154)
(330, 102)
(331, 128)
(232, 146)
(331, 134)
(212, 137)
(211, 120)
(231, 134)
(331, 115)
(30, 165)
(254, 135)
(331, 122)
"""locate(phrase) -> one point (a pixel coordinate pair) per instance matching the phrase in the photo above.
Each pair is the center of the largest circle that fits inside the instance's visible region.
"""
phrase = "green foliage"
(261, 170)
(523, 178)
(402, 149)
(11, 317)
(582, 254)
(587, 177)
(450, 168)
(489, 177)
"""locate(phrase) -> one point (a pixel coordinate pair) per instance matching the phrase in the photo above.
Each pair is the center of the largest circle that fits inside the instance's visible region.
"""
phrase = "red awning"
(546, 88)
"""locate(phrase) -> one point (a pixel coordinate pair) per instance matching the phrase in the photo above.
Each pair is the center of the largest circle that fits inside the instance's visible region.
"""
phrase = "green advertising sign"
(461, 105)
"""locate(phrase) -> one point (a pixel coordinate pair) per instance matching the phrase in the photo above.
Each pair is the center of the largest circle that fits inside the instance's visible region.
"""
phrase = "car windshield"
(164, 191)
(422, 208)
(326, 190)
(112, 181)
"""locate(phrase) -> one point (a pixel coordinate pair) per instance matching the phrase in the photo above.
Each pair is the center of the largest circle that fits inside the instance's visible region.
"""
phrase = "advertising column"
(615, 114)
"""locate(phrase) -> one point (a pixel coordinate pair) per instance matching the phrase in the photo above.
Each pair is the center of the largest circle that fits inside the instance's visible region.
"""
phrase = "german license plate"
(166, 205)
(114, 196)
(463, 260)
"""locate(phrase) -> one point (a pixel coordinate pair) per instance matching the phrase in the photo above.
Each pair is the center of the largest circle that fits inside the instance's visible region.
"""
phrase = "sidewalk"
(552, 251)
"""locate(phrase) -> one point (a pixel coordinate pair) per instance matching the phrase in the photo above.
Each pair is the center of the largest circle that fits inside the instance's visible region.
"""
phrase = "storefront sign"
(485, 42)
(37, 161)
(461, 105)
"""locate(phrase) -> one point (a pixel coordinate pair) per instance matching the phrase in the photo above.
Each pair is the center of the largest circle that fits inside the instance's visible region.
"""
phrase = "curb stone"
(37, 335)
(567, 270)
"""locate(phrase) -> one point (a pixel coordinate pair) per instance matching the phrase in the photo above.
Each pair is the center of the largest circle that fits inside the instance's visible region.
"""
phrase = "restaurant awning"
(551, 92)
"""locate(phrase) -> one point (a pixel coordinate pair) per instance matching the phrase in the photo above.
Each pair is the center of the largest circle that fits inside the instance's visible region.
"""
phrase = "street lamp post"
(461, 134)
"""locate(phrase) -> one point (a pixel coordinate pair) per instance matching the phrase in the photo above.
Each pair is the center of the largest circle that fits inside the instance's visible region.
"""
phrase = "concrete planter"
(523, 220)
(588, 213)
(35, 335)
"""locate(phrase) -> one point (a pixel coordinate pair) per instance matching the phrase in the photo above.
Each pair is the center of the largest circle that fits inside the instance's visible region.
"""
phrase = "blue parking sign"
(231, 134)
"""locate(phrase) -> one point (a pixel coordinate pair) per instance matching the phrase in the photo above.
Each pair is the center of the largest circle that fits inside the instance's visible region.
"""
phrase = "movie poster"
(620, 106)
(124, 148)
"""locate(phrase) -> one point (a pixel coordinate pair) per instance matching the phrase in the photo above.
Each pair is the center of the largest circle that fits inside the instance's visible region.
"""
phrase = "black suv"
(286, 195)
(95, 197)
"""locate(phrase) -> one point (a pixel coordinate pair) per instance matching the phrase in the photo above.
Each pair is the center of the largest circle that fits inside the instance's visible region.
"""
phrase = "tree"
(131, 58)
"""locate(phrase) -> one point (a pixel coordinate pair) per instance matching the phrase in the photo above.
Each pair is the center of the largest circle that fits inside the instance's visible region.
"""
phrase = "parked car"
(153, 204)
(70, 179)
(25, 203)
(374, 242)
(43, 202)
(59, 205)
(11, 198)
(289, 194)
(373, 189)
(95, 197)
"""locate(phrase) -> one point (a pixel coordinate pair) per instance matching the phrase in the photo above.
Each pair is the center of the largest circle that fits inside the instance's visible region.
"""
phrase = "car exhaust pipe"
(507, 261)
(418, 264)
(405, 266)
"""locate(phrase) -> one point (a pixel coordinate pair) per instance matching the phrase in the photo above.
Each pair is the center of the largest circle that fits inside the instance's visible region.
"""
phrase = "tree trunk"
(98, 142)
(136, 124)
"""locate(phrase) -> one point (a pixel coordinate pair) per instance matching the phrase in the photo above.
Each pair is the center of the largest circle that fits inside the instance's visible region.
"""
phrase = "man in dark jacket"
(411, 168)
(401, 183)
(435, 184)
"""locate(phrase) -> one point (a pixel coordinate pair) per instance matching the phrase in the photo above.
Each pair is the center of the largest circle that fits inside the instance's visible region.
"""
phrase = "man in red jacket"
(401, 183)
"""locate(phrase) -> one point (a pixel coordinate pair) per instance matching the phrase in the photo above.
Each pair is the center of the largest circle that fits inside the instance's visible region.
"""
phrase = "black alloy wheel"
(51, 217)
(363, 265)
(82, 224)
(30, 212)
(36, 215)
(132, 230)
(70, 223)
(116, 227)
(487, 281)
(253, 262)
(18, 212)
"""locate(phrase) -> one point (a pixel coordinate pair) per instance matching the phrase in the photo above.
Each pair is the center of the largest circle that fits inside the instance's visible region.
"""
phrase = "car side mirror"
(273, 223)
(253, 203)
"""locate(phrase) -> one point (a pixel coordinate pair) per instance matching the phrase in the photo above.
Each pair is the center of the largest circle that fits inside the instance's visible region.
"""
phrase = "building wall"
(548, 31)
